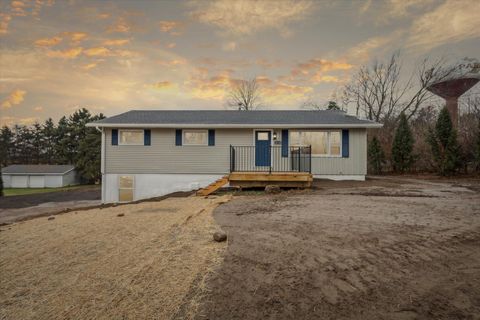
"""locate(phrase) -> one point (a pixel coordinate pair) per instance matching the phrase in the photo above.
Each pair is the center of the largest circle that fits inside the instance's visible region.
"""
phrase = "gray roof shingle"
(234, 118)
(37, 169)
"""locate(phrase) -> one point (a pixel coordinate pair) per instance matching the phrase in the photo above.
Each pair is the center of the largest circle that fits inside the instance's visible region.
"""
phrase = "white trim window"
(130, 137)
(195, 137)
(324, 143)
(126, 188)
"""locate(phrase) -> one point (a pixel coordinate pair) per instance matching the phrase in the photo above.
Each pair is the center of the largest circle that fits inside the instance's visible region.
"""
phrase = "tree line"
(418, 134)
(67, 142)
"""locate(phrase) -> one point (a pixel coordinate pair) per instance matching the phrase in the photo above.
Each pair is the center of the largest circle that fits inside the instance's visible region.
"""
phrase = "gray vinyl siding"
(163, 157)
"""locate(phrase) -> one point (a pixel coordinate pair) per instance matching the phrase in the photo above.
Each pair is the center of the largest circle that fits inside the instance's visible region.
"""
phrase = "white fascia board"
(228, 126)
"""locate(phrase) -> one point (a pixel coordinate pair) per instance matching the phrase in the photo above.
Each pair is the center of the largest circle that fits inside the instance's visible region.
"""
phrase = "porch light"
(274, 135)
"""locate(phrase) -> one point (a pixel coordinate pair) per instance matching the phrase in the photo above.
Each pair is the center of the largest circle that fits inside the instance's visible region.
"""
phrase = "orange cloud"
(116, 42)
(171, 45)
(14, 98)
(283, 92)
(89, 66)
(244, 17)
(48, 42)
(315, 65)
(263, 80)
(38, 109)
(4, 22)
(18, 8)
(120, 26)
(215, 87)
(172, 63)
(98, 51)
(65, 54)
(163, 85)
(172, 27)
(320, 78)
(76, 37)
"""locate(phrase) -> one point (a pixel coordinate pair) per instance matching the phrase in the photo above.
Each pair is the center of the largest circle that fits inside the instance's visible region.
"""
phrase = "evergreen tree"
(37, 143)
(443, 141)
(376, 156)
(402, 148)
(48, 133)
(6, 146)
(1, 183)
(332, 105)
(62, 150)
(477, 149)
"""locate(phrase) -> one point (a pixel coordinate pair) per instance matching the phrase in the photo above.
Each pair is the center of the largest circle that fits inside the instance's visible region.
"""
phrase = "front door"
(262, 148)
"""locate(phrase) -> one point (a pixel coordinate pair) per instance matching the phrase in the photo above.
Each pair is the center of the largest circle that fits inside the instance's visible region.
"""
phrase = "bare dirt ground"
(149, 263)
(389, 248)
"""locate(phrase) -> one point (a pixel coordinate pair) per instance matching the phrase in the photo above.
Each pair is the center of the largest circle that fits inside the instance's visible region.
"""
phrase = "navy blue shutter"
(178, 137)
(345, 143)
(211, 137)
(146, 137)
(285, 143)
(114, 137)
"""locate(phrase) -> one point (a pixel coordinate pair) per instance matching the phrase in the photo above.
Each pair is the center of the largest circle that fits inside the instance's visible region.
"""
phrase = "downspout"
(103, 162)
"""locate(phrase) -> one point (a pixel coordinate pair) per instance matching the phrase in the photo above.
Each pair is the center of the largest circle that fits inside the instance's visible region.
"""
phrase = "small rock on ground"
(219, 236)
(51, 218)
(272, 189)
(120, 215)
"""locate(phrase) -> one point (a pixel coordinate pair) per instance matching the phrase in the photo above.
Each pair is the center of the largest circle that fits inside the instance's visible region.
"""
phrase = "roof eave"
(227, 126)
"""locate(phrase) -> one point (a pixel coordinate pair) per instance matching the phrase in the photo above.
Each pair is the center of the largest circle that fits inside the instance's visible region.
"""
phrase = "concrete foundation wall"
(155, 185)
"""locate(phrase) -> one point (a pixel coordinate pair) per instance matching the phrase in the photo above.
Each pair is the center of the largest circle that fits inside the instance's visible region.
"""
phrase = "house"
(39, 176)
(148, 153)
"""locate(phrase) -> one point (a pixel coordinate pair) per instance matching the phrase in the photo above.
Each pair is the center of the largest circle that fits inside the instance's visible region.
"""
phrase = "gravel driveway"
(17, 208)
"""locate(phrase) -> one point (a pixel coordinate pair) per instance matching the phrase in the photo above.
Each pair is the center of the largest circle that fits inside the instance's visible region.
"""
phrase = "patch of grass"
(23, 191)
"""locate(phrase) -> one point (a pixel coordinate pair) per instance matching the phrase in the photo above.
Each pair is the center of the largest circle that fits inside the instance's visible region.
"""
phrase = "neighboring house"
(148, 153)
(38, 176)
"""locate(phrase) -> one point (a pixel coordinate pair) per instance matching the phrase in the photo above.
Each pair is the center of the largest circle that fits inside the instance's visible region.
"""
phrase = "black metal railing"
(270, 159)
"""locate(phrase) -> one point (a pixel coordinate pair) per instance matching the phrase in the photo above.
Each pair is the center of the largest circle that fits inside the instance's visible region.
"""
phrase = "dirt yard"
(383, 249)
(149, 263)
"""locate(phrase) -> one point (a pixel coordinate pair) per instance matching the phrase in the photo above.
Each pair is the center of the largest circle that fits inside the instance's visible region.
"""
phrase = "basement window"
(125, 188)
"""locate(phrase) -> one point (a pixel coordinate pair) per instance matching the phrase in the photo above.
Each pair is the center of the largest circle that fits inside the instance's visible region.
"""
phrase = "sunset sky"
(113, 56)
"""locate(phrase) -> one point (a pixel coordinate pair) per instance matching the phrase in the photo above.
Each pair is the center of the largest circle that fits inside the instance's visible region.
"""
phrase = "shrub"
(376, 156)
(445, 148)
(402, 148)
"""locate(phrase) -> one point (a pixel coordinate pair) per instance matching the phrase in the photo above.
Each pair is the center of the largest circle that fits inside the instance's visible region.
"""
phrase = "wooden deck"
(262, 179)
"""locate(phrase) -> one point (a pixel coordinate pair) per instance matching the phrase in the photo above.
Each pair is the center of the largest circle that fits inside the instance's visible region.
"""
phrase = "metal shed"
(39, 176)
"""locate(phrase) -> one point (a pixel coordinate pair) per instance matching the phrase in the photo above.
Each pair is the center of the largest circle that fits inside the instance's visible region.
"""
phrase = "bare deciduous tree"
(381, 94)
(245, 95)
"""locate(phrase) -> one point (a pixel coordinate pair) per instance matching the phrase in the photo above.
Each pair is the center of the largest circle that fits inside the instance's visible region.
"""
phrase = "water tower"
(454, 86)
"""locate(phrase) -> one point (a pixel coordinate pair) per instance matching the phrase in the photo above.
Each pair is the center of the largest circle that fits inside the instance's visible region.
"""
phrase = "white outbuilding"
(39, 176)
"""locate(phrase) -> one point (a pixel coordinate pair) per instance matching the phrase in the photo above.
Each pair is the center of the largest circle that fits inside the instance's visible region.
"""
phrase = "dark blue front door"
(262, 148)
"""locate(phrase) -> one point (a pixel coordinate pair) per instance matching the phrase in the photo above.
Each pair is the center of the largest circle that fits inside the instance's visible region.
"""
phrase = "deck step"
(214, 186)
